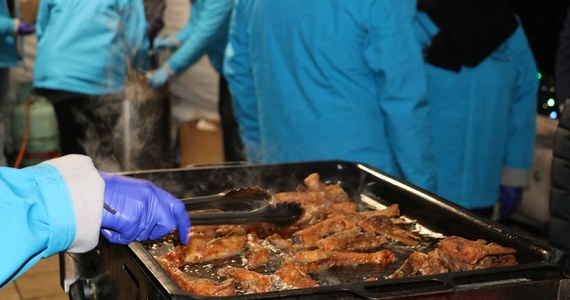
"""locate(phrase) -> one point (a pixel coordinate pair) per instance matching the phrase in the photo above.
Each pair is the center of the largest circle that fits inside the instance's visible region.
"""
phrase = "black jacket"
(560, 192)
(559, 235)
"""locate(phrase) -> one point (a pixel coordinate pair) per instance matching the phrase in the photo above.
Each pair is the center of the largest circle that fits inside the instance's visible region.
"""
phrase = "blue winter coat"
(84, 46)
(483, 120)
(330, 79)
(48, 208)
(205, 33)
(8, 50)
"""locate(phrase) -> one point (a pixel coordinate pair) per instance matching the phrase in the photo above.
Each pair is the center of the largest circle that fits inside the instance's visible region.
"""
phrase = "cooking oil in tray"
(427, 240)
(332, 276)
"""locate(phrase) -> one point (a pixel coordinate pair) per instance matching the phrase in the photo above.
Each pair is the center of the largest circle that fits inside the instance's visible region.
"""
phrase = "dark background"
(542, 21)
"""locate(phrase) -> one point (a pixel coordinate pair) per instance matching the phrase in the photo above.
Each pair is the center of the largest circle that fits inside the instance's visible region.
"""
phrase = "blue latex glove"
(25, 28)
(164, 42)
(158, 78)
(509, 199)
(143, 211)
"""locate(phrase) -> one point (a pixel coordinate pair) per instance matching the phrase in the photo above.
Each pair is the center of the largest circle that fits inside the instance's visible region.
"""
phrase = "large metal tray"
(542, 272)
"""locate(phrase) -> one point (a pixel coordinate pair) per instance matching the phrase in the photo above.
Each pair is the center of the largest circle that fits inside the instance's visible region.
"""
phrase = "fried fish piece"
(308, 237)
(249, 281)
(471, 251)
(217, 248)
(316, 260)
(383, 225)
(294, 277)
(455, 254)
(255, 255)
(353, 239)
(201, 286)
(280, 243)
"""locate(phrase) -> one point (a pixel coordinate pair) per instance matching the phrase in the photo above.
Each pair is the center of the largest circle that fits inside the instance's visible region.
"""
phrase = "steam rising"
(127, 132)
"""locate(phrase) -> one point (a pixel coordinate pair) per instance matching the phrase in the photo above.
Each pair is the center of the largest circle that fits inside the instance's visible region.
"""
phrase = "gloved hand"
(158, 78)
(25, 28)
(164, 42)
(509, 199)
(142, 211)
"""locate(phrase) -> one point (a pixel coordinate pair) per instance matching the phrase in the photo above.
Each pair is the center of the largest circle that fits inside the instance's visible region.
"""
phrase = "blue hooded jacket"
(330, 79)
(205, 33)
(84, 46)
(483, 120)
(8, 50)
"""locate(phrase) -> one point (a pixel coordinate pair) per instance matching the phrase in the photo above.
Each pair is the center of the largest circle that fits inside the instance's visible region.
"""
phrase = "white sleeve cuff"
(87, 190)
(515, 177)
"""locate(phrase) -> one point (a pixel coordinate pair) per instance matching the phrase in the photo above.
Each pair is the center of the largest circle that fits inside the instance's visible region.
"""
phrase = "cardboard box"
(200, 142)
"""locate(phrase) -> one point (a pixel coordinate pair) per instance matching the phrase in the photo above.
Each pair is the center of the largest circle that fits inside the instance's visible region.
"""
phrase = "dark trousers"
(233, 147)
(88, 125)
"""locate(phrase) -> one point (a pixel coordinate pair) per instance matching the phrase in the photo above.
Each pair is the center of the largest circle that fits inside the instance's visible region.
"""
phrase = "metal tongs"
(241, 206)
(237, 199)
(282, 213)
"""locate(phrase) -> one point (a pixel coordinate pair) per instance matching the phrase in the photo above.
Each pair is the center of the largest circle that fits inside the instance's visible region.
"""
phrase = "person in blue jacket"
(206, 33)
(59, 205)
(83, 51)
(9, 29)
(482, 94)
(331, 79)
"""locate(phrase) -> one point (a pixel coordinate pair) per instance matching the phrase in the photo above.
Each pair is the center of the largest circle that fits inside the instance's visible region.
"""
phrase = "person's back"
(83, 46)
(316, 80)
(483, 118)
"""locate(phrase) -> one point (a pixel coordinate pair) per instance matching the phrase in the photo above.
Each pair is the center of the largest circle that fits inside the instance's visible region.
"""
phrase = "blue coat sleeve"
(135, 32)
(206, 28)
(6, 26)
(6, 23)
(395, 57)
(36, 217)
(46, 209)
(238, 72)
(522, 115)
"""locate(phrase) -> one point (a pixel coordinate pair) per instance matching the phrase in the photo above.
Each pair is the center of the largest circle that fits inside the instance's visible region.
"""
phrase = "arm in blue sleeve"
(183, 33)
(39, 215)
(522, 116)
(136, 38)
(6, 26)
(238, 73)
(394, 55)
(207, 27)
